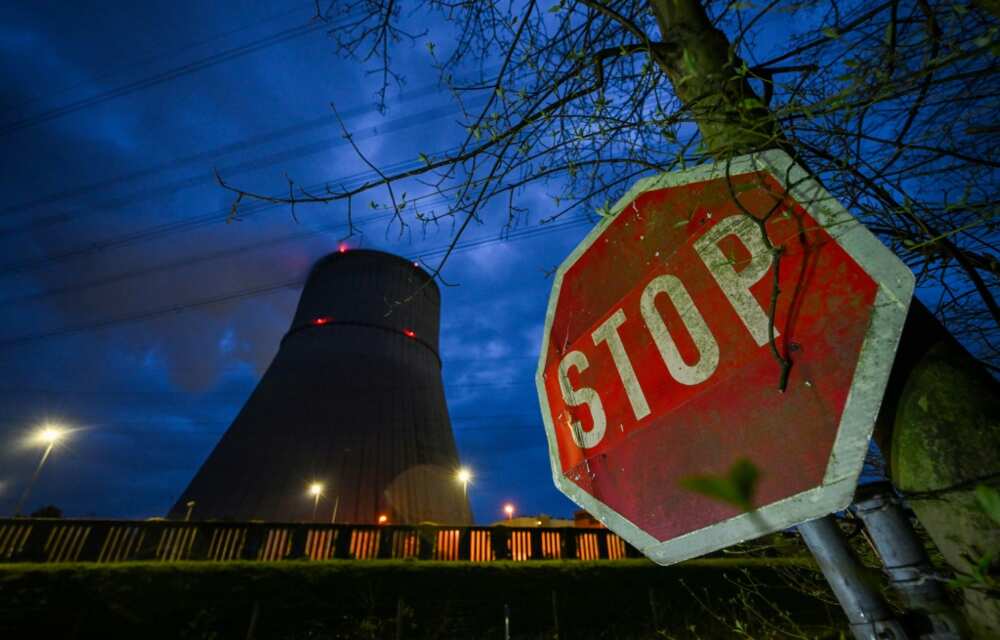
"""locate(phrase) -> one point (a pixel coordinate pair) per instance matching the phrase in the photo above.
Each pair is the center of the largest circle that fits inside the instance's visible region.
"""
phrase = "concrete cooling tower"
(353, 400)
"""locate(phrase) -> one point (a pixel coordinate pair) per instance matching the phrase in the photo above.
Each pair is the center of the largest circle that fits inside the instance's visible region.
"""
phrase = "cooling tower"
(352, 400)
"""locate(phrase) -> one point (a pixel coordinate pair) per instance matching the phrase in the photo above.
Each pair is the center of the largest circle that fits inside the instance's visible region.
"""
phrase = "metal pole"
(190, 505)
(906, 562)
(336, 503)
(315, 506)
(506, 621)
(34, 477)
(870, 618)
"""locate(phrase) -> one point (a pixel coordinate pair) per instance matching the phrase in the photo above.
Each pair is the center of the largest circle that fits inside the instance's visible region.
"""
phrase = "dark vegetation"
(741, 597)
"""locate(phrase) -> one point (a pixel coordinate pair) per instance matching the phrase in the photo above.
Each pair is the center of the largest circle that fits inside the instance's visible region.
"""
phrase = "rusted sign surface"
(660, 357)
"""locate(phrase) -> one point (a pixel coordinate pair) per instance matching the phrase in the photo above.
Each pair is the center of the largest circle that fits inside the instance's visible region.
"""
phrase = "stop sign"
(658, 361)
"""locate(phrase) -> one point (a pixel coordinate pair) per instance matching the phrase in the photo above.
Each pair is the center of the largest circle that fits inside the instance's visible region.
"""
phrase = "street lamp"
(509, 510)
(464, 476)
(315, 490)
(190, 505)
(47, 437)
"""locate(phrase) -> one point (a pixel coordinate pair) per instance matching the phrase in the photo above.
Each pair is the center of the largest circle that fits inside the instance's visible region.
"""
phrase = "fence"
(45, 540)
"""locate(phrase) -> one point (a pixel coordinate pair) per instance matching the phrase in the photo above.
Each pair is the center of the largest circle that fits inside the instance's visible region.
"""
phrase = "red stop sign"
(657, 360)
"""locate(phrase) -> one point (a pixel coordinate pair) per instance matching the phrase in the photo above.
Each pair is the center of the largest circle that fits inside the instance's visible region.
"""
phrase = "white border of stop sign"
(895, 289)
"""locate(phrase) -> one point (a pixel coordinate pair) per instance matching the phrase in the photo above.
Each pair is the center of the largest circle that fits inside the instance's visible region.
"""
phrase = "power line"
(186, 262)
(166, 76)
(299, 152)
(189, 261)
(195, 396)
(249, 292)
(202, 156)
(174, 52)
(221, 214)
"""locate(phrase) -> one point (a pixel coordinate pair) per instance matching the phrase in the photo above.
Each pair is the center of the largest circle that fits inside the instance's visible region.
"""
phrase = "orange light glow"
(342, 248)
(509, 510)
(382, 519)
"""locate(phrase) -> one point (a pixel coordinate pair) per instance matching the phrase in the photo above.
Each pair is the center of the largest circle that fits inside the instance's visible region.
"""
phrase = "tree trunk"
(940, 421)
(710, 80)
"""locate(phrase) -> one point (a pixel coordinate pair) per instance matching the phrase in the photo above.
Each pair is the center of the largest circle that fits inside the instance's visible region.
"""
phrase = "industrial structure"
(349, 422)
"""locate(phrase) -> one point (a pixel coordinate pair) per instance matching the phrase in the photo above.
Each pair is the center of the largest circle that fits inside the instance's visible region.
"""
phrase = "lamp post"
(316, 490)
(190, 505)
(464, 476)
(48, 436)
(336, 505)
(509, 510)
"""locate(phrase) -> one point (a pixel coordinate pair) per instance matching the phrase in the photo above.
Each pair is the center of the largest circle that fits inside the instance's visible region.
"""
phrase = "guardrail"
(58, 540)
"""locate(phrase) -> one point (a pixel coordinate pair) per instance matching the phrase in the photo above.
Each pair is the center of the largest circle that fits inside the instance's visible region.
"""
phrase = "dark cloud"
(113, 205)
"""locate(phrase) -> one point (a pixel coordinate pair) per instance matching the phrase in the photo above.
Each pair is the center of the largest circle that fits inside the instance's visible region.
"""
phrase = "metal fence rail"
(45, 540)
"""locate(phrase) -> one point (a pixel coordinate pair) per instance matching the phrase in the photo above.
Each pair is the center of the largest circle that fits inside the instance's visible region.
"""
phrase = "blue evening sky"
(112, 118)
(134, 313)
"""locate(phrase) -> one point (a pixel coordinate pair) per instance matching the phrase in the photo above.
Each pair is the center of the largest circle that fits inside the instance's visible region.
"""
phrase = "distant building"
(352, 405)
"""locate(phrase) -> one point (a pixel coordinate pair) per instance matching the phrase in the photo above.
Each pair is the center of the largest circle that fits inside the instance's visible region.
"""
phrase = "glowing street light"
(464, 476)
(315, 490)
(509, 510)
(382, 519)
(47, 437)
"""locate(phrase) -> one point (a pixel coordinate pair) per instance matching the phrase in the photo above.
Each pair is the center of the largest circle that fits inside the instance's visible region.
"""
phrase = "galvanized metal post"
(869, 616)
(906, 563)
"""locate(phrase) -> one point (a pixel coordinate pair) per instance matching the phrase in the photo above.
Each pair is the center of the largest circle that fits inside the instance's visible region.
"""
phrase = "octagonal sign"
(661, 356)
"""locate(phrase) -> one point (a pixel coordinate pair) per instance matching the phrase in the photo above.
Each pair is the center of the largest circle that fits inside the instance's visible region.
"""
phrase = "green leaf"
(989, 501)
(831, 33)
(423, 158)
(736, 487)
(688, 60)
(605, 210)
(983, 566)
